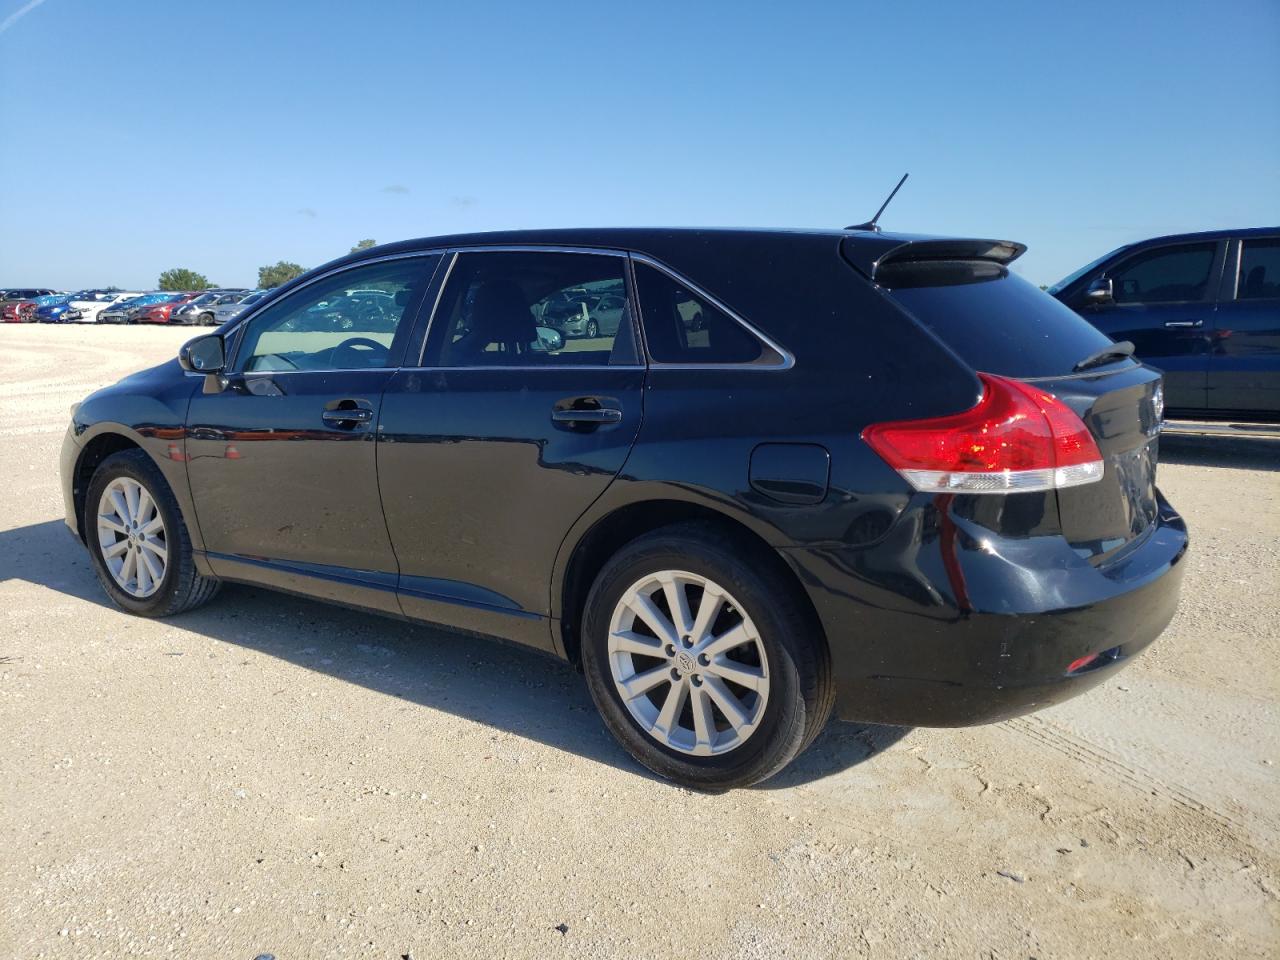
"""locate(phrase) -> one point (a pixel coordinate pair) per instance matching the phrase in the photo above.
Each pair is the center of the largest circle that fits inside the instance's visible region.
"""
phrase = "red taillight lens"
(1088, 660)
(1017, 438)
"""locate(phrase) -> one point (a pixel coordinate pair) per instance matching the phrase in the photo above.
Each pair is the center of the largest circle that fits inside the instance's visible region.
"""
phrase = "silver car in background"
(201, 310)
(235, 304)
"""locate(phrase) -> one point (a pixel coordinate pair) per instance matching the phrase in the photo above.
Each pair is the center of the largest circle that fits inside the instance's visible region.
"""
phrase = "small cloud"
(18, 14)
(307, 212)
(395, 188)
(463, 201)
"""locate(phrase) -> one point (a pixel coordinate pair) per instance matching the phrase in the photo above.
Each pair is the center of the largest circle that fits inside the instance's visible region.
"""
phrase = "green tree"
(364, 245)
(180, 278)
(279, 273)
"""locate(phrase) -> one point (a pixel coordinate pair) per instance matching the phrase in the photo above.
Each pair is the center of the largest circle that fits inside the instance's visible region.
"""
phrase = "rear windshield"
(994, 320)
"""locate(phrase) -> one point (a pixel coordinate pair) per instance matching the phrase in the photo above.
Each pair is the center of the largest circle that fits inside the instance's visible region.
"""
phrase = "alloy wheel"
(132, 537)
(688, 663)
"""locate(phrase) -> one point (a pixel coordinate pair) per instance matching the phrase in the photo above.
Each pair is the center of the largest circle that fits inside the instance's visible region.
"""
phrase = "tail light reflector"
(1018, 438)
(1088, 660)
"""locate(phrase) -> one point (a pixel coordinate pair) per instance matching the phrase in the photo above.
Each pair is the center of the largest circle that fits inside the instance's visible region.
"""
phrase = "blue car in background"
(51, 309)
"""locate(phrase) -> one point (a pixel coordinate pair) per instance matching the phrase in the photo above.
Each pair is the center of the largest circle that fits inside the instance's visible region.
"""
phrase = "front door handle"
(588, 415)
(347, 413)
(1184, 323)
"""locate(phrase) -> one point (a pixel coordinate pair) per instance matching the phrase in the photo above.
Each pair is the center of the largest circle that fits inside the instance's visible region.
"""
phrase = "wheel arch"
(609, 533)
(92, 453)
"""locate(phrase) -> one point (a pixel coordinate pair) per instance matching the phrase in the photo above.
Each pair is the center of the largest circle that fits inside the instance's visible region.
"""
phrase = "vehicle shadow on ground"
(1238, 452)
(502, 686)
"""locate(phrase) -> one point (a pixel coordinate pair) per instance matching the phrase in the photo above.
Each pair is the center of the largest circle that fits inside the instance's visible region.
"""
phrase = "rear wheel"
(708, 670)
(137, 540)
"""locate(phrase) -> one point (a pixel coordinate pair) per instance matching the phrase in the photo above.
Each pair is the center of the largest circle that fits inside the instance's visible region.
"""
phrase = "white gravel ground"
(271, 775)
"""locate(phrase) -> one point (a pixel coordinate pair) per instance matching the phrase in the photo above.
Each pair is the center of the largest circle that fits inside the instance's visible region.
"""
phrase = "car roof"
(616, 238)
(678, 246)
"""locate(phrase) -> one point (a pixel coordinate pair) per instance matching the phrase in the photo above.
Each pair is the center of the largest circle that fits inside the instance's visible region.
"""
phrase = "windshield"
(1073, 277)
(251, 299)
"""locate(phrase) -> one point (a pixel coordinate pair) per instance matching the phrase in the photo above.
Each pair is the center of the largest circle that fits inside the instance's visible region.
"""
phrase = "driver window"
(343, 322)
(1165, 275)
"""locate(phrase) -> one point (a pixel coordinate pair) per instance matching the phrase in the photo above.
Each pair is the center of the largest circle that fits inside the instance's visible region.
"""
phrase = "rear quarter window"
(682, 327)
(993, 319)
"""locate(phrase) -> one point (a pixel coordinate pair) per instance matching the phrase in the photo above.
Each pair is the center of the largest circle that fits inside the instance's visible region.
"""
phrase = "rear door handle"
(591, 415)
(1184, 323)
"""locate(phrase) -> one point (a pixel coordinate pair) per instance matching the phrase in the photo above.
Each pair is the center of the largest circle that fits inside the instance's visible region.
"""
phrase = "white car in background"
(86, 311)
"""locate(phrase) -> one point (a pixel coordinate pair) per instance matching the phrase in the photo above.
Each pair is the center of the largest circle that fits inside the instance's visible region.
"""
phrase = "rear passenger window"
(511, 308)
(1259, 270)
(682, 327)
(1167, 275)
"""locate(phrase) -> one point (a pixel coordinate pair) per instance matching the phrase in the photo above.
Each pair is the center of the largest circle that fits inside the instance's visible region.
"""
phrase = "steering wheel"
(350, 352)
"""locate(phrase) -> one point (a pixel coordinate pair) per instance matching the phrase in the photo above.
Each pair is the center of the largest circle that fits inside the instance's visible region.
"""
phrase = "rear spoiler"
(868, 253)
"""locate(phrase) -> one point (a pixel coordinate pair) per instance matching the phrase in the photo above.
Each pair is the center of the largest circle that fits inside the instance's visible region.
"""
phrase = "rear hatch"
(998, 323)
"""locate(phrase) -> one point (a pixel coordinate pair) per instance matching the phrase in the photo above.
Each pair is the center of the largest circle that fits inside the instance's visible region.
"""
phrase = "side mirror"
(203, 354)
(1100, 291)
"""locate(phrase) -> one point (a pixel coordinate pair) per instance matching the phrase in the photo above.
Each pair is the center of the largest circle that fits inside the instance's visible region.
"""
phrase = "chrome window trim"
(431, 317)
(788, 359)
(253, 311)
(514, 248)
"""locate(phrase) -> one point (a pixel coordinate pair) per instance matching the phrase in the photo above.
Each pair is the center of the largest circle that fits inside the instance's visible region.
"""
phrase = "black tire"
(593, 329)
(207, 320)
(801, 692)
(181, 588)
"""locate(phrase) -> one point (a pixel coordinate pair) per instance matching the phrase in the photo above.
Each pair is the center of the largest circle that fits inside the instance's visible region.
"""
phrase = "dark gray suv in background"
(1204, 308)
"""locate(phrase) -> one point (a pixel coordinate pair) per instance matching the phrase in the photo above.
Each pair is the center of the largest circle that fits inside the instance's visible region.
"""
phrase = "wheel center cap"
(685, 662)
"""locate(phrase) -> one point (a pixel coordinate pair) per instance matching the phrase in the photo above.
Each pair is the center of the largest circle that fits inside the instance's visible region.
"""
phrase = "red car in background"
(18, 311)
(159, 312)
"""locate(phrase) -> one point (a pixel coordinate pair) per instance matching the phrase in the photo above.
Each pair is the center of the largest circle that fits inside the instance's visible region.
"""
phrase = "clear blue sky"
(222, 135)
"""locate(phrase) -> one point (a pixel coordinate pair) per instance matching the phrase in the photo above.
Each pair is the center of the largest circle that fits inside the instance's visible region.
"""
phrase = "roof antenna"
(871, 224)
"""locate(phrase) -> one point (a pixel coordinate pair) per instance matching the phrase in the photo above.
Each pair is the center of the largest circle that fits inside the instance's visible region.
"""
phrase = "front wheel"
(703, 663)
(137, 540)
(593, 329)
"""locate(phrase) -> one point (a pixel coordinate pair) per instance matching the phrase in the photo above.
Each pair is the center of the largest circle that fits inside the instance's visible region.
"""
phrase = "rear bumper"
(905, 652)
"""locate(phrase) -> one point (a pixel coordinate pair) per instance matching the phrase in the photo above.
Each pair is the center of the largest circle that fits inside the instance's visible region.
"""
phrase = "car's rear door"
(282, 461)
(1244, 361)
(1164, 300)
(494, 445)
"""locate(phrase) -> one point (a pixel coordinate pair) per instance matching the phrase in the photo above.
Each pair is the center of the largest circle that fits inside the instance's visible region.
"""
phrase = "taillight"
(1017, 438)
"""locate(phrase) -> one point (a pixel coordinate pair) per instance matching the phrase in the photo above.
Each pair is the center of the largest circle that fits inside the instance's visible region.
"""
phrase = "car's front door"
(1244, 362)
(499, 441)
(1163, 301)
(281, 460)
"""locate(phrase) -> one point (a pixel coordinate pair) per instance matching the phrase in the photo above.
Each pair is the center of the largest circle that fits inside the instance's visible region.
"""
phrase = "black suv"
(881, 474)
(1202, 307)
